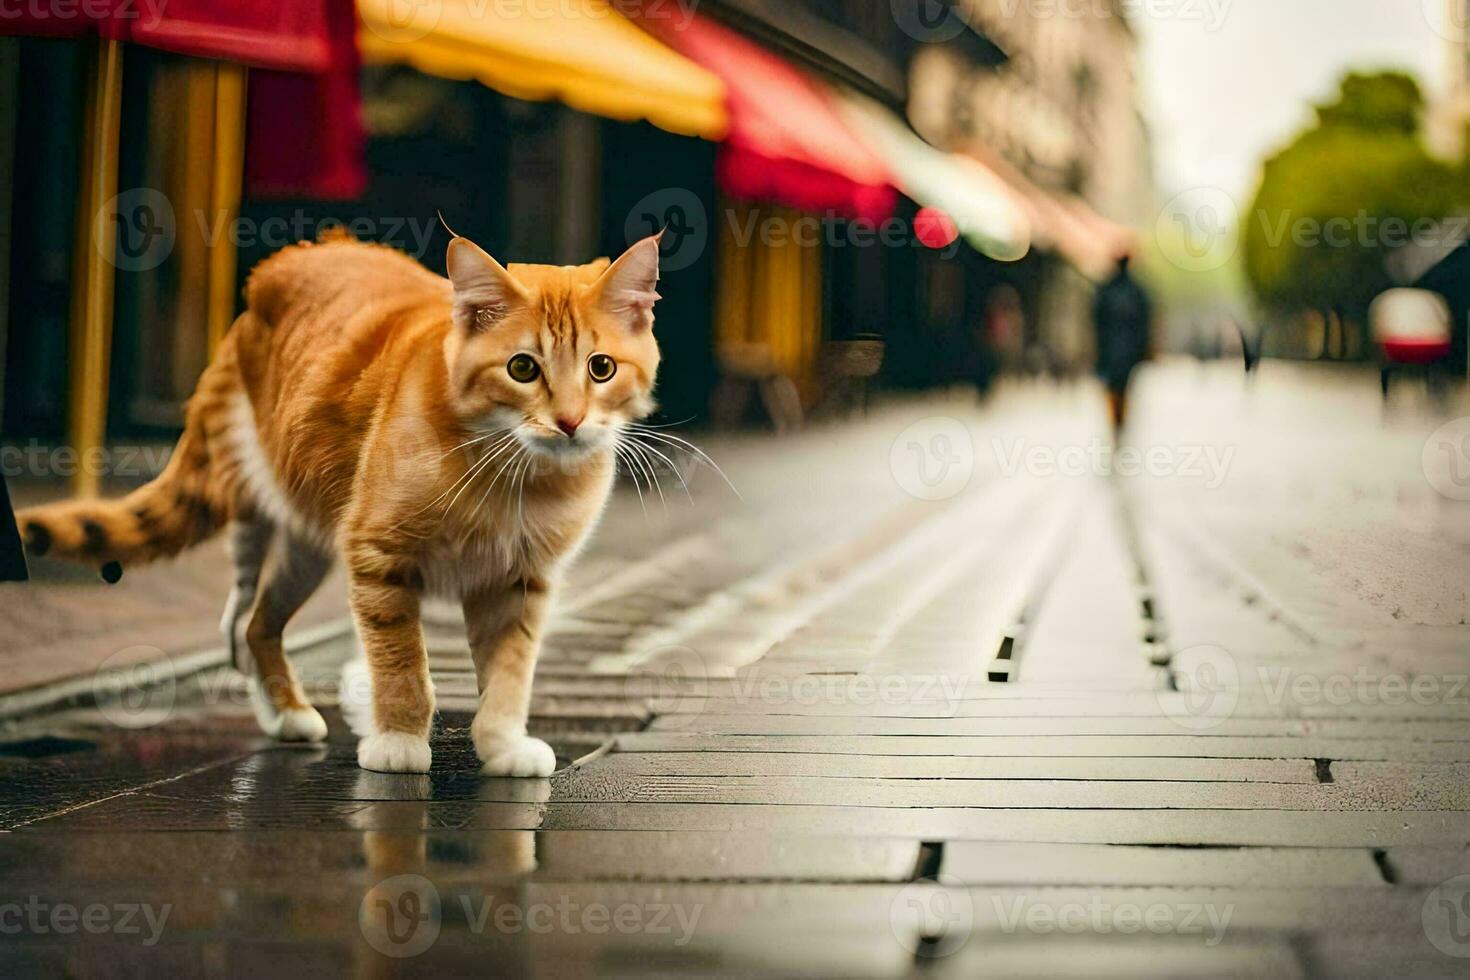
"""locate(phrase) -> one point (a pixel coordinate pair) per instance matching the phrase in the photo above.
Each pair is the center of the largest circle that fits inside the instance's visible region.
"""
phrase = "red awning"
(286, 35)
(787, 143)
(304, 134)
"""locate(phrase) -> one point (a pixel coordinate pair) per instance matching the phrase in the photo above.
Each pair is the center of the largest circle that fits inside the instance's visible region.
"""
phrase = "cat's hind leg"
(280, 703)
(250, 540)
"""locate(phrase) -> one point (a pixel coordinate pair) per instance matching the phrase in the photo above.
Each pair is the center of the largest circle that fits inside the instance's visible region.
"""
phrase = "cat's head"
(562, 356)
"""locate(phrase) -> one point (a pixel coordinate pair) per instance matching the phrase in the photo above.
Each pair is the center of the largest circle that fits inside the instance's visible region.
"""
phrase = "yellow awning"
(581, 52)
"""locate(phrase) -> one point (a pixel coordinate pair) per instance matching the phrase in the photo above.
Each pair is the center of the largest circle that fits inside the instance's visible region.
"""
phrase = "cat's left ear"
(484, 291)
(629, 287)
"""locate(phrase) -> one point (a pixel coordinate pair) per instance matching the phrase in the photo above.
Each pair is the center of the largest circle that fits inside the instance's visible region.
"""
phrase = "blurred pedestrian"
(1122, 315)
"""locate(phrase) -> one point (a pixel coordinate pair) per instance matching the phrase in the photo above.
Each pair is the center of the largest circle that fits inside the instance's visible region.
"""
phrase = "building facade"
(1063, 114)
(1449, 116)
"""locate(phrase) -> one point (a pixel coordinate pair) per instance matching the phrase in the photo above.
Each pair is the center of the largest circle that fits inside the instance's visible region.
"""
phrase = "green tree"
(1344, 194)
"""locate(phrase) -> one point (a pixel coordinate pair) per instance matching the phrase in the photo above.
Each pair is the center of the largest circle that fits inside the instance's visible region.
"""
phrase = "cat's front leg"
(505, 636)
(386, 588)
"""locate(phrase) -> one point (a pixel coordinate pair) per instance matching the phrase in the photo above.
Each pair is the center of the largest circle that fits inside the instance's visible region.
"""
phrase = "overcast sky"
(1227, 81)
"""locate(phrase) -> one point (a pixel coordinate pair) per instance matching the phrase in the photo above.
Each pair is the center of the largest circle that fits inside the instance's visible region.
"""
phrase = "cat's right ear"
(484, 291)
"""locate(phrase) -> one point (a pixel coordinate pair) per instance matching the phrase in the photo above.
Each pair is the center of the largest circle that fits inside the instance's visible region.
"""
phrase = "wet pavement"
(935, 695)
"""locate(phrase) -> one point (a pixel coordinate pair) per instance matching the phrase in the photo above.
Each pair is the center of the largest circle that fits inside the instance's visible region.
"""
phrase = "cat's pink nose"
(569, 426)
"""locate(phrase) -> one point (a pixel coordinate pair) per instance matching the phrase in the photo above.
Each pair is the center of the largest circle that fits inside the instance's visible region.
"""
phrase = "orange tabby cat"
(443, 436)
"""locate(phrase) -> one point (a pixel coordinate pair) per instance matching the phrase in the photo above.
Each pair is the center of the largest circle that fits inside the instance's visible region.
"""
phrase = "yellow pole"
(94, 269)
(224, 194)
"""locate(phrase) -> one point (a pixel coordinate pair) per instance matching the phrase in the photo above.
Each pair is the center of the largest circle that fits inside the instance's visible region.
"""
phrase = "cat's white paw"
(394, 752)
(292, 724)
(521, 755)
(302, 725)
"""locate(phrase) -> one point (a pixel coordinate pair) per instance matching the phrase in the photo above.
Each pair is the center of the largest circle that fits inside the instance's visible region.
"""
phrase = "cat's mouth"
(556, 446)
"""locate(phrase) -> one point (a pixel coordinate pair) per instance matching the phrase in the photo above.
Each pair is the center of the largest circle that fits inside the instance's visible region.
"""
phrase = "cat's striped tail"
(182, 507)
(174, 512)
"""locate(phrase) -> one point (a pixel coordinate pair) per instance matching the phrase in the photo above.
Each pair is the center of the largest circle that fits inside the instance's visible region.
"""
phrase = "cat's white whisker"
(469, 473)
(623, 455)
(512, 460)
(637, 452)
(670, 463)
(685, 445)
(474, 441)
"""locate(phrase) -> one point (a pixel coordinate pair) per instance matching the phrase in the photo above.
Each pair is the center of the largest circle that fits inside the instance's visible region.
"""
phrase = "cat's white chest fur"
(498, 556)
(527, 540)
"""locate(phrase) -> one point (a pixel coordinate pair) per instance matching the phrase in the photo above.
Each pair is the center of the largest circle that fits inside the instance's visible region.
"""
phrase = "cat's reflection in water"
(408, 903)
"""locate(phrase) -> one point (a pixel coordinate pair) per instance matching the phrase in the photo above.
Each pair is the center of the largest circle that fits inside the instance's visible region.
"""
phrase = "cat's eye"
(523, 368)
(601, 367)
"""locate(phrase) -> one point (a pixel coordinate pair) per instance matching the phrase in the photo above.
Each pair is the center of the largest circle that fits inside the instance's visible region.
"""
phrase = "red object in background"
(786, 143)
(1415, 351)
(935, 229)
(288, 34)
(304, 135)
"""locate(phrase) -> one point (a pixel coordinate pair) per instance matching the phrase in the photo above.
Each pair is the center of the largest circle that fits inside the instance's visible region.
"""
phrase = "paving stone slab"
(1345, 953)
(659, 856)
(988, 863)
(1283, 828)
(822, 766)
(1090, 746)
(1400, 772)
(1103, 826)
(252, 858)
(595, 784)
(49, 772)
(918, 695)
(1323, 728)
